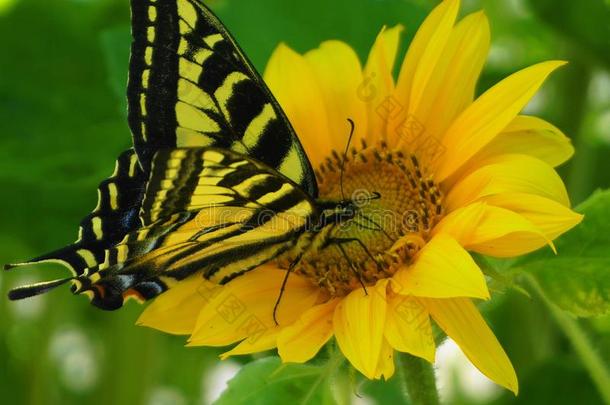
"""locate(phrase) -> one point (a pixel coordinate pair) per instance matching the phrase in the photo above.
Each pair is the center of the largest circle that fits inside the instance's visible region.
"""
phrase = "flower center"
(397, 206)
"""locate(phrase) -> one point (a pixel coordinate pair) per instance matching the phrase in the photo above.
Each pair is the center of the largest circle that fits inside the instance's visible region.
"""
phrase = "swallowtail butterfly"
(216, 183)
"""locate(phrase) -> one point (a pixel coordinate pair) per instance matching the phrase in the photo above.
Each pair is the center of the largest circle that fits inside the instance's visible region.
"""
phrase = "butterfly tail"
(32, 290)
(75, 257)
(116, 214)
(105, 289)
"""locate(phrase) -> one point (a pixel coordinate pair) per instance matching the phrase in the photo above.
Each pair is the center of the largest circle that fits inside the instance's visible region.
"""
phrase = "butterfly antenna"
(349, 141)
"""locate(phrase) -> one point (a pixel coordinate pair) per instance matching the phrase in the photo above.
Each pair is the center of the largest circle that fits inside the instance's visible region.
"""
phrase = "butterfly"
(217, 181)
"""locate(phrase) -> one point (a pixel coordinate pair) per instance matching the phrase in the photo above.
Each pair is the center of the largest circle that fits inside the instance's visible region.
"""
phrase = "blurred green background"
(63, 68)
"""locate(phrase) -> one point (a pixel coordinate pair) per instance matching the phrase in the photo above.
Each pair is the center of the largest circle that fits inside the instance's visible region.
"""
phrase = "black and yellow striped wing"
(209, 211)
(115, 215)
(190, 85)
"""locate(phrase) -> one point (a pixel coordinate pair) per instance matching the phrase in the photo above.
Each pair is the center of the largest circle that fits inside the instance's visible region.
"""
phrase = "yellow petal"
(451, 83)
(508, 174)
(493, 231)
(385, 366)
(424, 52)
(254, 344)
(461, 321)
(359, 321)
(451, 87)
(301, 341)
(435, 48)
(461, 223)
(338, 70)
(449, 90)
(488, 115)
(378, 84)
(295, 86)
(176, 310)
(550, 217)
(244, 307)
(530, 136)
(442, 269)
(407, 327)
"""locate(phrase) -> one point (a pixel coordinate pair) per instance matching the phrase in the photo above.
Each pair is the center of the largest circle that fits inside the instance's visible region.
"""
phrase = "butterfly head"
(344, 210)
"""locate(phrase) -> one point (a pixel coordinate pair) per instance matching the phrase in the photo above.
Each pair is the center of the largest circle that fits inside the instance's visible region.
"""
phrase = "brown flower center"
(395, 201)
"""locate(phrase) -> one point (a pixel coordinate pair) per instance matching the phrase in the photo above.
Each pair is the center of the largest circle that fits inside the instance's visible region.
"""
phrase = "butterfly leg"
(377, 226)
(342, 241)
(351, 265)
(363, 226)
(283, 287)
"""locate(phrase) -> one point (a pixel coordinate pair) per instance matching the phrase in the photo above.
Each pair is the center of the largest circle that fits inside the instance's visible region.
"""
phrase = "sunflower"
(437, 174)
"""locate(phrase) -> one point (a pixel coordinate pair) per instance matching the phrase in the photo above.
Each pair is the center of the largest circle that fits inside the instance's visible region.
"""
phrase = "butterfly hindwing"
(191, 85)
(115, 215)
(246, 211)
(208, 211)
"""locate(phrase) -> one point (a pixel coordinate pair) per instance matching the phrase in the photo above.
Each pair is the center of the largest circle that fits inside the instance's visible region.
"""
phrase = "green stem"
(582, 346)
(420, 380)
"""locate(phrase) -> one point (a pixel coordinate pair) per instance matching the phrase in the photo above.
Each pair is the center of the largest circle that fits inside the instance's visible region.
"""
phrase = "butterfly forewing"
(191, 85)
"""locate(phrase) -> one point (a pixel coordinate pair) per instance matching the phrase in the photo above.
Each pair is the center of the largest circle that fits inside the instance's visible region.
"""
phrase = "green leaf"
(578, 278)
(268, 381)
(497, 271)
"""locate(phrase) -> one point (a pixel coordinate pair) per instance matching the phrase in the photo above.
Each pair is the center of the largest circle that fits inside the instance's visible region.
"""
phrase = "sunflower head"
(432, 174)
(394, 208)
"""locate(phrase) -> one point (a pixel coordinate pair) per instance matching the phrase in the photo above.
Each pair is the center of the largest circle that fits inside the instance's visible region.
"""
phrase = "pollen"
(398, 204)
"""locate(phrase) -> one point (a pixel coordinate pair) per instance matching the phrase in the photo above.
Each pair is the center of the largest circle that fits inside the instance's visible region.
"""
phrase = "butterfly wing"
(208, 211)
(115, 215)
(205, 210)
(191, 85)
